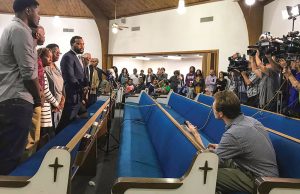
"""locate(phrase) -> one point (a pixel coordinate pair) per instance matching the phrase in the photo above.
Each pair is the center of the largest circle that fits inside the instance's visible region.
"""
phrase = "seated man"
(245, 150)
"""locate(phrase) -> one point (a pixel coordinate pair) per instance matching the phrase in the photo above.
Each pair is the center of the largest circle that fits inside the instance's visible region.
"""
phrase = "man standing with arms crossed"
(19, 86)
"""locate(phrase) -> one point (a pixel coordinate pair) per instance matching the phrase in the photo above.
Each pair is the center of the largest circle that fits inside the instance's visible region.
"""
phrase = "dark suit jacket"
(73, 75)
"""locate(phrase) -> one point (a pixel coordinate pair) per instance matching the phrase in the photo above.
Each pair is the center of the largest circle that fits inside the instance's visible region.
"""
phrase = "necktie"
(80, 61)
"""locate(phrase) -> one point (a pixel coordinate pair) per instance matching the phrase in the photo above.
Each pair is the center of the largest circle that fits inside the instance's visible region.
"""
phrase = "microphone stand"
(111, 108)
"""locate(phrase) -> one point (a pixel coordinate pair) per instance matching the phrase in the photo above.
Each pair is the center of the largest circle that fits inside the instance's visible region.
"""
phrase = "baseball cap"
(20, 5)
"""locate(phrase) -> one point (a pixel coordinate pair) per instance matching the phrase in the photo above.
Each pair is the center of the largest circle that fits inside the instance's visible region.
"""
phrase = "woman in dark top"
(123, 78)
(116, 73)
(221, 83)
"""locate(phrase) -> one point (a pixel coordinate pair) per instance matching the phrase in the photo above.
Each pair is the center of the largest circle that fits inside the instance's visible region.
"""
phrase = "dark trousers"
(253, 101)
(69, 113)
(231, 179)
(15, 121)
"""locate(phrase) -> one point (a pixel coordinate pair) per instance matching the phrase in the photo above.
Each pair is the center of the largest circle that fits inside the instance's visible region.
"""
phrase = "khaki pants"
(35, 131)
(232, 179)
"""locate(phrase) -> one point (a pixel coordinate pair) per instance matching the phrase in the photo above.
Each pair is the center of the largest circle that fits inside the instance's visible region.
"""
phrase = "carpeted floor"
(106, 167)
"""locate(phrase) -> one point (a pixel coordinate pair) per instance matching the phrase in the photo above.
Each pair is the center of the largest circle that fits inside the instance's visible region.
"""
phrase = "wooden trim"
(283, 135)
(166, 53)
(199, 147)
(268, 129)
(293, 118)
(266, 184)
(254, 20)
(14, 181)
(74, 141)
(124, 183)
(47, 15)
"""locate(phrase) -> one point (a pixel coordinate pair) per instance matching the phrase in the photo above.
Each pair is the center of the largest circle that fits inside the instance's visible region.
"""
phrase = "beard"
(79, 51)
(32, 24)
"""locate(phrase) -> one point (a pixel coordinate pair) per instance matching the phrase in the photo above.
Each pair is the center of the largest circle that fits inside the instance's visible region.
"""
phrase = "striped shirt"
(46, 120)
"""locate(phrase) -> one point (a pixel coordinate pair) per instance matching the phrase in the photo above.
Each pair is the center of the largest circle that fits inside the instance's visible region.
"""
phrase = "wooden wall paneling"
(254, 19)
(103, 27)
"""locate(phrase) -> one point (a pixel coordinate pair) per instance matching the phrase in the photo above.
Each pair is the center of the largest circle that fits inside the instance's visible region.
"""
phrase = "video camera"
(287, 48)
(237, 63)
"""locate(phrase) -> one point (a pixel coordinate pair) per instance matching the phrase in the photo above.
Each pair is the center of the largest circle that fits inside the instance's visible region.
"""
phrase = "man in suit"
(95, 79)
(72, 70)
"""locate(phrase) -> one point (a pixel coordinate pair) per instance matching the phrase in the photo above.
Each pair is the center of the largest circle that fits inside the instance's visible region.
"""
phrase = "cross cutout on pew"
(205, 168)
(56, 166)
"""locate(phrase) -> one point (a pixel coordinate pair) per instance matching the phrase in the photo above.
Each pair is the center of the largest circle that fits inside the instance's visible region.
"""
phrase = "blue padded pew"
(35, 172)
(156, 154)
(287, 125)
(286, 147)
(200, 115)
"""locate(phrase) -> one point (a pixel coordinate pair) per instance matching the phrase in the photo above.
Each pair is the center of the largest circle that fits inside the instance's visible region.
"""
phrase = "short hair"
(73, 39)
(163, 68)
(52, 46)
(43, 51)
(35, 30)
(85, 55)
(21, 5)
(228, 103)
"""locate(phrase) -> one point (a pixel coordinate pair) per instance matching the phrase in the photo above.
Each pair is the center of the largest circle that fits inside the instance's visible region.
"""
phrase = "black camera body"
(240, 64)
(287, 48)
(274, 48)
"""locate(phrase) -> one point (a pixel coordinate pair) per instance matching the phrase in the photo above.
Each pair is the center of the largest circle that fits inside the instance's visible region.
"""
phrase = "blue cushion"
(32, 164)
(288, 159)
(132, 112)
(137, 158)
(174, 158)
(180, 119)
(281, 123)
(205, 99)
(199, 115)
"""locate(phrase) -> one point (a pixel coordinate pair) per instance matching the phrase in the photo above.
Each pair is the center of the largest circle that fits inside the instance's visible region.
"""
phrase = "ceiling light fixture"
(250, 2)
(57, 21)
(114, 28)
(174, 57)
(181, 7)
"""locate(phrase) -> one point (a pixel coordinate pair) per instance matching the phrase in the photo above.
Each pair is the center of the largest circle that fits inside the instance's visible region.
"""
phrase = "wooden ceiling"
(70, 8)
(76, 8)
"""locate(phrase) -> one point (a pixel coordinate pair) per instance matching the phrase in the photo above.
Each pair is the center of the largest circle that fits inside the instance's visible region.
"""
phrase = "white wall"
(170, 65)
(273, 21)
(129, 63)
(167, 31)
(86, 28)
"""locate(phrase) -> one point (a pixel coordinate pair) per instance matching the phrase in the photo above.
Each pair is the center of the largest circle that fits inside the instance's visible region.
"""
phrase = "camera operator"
(252, 82)
(237, 85)
(292, 74)
(289, 76)
(269, 84)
